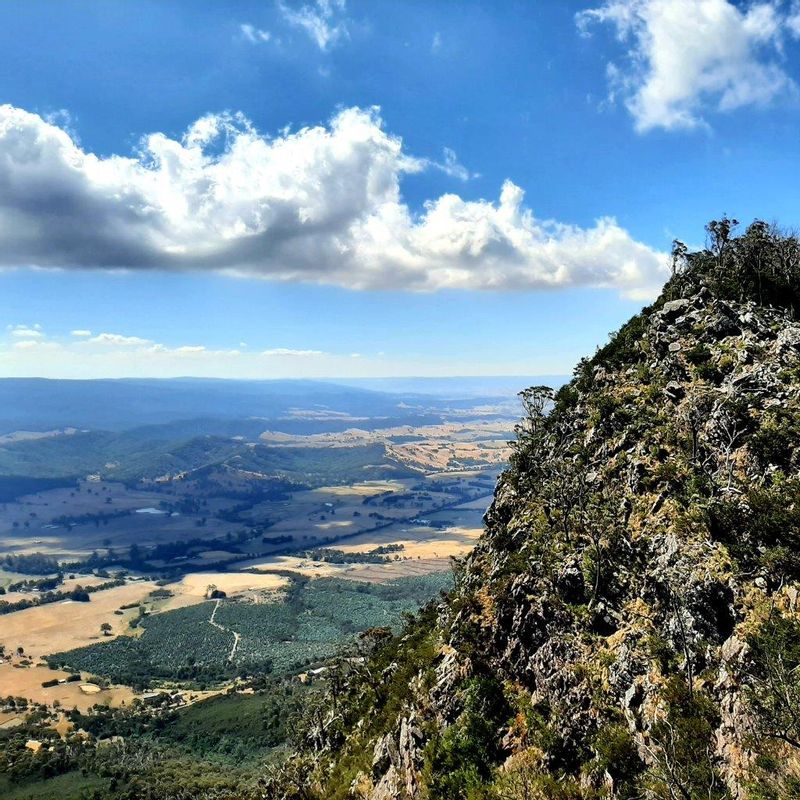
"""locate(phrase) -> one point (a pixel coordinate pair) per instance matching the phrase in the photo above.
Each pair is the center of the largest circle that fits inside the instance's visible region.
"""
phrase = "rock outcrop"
(626, 627)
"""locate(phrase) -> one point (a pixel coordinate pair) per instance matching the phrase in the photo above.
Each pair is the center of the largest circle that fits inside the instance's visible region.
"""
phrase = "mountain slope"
(628, 626)
(117, 405)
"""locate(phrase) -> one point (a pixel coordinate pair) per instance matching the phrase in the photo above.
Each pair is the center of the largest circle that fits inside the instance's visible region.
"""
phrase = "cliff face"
(628, 626)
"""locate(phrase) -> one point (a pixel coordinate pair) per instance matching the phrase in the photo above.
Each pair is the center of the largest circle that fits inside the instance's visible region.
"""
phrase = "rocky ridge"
(628, 624)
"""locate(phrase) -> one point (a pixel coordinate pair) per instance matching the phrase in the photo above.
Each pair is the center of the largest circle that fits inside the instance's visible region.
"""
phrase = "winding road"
(236, 636)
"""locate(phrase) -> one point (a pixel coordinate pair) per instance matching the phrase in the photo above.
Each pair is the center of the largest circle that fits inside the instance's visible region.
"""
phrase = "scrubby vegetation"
(627, 627)
(215, 748)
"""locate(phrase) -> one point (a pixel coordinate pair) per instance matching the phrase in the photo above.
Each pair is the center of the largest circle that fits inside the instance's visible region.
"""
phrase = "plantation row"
(311, 621)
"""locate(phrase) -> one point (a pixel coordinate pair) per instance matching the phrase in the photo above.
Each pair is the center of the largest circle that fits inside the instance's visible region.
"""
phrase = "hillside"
(135, 455)
(232, 406)
(628, 626)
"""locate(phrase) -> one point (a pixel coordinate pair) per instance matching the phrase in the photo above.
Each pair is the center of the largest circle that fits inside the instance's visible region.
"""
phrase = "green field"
(237, 727)
(312, 620)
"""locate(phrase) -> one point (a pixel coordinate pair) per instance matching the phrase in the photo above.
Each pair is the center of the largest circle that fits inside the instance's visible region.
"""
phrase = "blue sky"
(271, 189)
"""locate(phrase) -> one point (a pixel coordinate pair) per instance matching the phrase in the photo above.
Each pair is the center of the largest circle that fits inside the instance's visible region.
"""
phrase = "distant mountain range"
(304, 406)
(458, 386)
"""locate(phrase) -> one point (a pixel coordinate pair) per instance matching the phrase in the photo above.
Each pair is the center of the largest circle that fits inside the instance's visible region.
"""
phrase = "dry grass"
(425, 550)
(431, 447)
(67, 585)
(27, 682)
(360, 490)
(193, 587)
(61, 626)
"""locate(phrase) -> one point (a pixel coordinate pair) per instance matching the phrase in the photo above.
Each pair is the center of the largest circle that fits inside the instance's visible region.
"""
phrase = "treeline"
(103, 518)
(135, 557)
(378, 555)
(31, 564)
(761, 265)
(14, 486)
(37, 584)
(79, 593)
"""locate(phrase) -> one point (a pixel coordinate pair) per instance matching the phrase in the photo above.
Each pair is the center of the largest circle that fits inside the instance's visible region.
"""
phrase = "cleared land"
(59, 626)
(425, 447)
(72, 522)
(243, 540)
(425, 550)
(196, 585)
(27, 682)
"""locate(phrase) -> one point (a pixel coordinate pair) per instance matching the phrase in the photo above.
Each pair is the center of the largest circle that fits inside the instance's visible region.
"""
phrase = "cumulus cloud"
(686, 57)
(25, 331)
(321, 204)
(323, 20)
(80, 333)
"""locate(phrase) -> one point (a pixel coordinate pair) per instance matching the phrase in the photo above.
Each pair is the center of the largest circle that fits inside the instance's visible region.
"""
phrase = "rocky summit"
(628, 626)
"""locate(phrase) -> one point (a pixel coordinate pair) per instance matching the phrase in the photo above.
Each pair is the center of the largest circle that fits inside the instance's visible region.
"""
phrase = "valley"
(201, 562)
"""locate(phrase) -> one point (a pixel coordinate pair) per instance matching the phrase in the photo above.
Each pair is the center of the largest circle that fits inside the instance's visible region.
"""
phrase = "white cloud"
(793, 19)
(25, 332)
(320, 205)
(285, 351)
(688, 57)
(114, 355)
(323, 20)
(254, 35)
(80, 333)
(191, 348)
(436, 43)
(118, 340)
(451, 167)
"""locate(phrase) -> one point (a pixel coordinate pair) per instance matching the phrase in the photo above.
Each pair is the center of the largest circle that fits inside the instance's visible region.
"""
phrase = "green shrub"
(617, 755)
(460, 761)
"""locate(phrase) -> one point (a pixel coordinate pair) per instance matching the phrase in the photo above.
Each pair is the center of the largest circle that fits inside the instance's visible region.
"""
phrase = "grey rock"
(674, 308)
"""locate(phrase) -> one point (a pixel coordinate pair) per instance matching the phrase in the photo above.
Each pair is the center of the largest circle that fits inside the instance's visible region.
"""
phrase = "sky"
(346, 188)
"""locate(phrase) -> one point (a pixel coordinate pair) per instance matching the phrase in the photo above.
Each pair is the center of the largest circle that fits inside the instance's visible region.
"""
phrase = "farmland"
(27, 682)
(234, 560)
(70, 624)
(352, 519)
(217, 640)
(306, 528)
